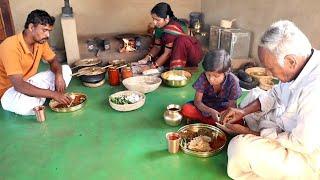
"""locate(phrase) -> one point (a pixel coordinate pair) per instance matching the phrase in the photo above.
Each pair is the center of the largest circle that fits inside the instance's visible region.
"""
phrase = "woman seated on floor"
(172, 47)
(216, 89)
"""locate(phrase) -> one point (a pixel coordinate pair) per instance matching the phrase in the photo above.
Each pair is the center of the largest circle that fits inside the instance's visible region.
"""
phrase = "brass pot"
(172, 115)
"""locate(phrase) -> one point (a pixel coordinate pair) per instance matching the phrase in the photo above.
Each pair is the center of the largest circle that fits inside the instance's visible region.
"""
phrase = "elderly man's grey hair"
(284, 38)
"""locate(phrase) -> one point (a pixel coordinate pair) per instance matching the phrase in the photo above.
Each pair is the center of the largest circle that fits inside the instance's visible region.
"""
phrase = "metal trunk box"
(214, 39)
(236, 42)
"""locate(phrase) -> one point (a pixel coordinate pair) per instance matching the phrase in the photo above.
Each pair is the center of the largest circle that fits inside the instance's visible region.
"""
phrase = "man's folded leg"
(255, 157)
(22, 104)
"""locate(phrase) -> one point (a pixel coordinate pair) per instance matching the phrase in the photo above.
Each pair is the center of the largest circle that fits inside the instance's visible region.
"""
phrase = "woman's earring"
(167, 19)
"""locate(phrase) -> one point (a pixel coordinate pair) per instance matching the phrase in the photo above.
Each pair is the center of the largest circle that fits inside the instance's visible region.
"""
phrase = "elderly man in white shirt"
(283, 138)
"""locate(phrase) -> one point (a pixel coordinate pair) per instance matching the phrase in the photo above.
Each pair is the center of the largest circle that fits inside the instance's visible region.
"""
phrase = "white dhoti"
(259, 120)
(255, 157)
(263, 157)
(22, 104)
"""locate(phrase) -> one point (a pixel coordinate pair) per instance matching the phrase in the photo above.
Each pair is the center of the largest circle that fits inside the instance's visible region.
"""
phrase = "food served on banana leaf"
(126, 99)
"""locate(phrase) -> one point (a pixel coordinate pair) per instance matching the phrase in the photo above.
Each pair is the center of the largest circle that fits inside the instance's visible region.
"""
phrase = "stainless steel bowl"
(195, 128)
(176, 83)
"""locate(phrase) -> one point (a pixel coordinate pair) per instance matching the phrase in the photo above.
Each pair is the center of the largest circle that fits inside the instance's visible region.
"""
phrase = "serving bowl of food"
(176, 78)
(265, 78)
(143, 84)
(258, 72)
(127, 100)
(201, 140)
(78, 101)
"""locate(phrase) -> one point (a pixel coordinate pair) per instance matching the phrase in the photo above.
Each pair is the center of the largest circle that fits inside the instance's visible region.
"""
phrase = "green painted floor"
(98, 142)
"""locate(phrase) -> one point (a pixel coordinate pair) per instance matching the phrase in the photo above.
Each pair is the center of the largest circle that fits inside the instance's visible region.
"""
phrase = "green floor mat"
(98, 142)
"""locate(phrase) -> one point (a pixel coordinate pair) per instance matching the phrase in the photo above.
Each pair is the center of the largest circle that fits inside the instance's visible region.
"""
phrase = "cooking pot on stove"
(93, 78)
(92, 74)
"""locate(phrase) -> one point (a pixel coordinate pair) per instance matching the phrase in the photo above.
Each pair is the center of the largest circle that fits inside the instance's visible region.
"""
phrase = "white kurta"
(289, 125)
(22, 104)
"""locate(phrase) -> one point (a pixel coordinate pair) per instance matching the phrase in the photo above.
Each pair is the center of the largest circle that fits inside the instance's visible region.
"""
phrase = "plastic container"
(126, 72)
(113, 76)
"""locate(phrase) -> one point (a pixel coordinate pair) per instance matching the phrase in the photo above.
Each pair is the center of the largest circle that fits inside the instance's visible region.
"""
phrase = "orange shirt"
(16, 58)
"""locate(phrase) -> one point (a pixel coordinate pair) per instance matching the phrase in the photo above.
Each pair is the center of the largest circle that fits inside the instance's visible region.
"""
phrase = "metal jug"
(172, 115)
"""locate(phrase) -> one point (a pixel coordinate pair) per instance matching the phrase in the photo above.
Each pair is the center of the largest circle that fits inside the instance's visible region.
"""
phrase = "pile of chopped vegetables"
(125, 99)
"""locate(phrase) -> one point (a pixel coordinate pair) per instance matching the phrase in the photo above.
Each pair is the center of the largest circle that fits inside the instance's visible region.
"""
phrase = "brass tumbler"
(40, 113)
(173, 140)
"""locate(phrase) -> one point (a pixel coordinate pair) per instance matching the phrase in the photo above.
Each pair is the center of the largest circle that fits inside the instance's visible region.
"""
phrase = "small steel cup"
(39, 111)
(173, 140)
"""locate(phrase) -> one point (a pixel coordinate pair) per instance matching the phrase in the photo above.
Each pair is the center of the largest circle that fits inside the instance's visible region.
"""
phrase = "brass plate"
(195, 128)
(176, 83)
(54, 103)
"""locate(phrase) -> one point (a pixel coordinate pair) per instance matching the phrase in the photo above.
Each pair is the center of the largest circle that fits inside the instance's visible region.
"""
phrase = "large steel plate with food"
(201, 140)
(117, 62)
(87, 62)
(127, 100)
(176, 78)
(78, 102)
(90, 71)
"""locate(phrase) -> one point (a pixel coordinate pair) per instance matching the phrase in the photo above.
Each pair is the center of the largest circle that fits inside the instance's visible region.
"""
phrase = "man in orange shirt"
(21, 89)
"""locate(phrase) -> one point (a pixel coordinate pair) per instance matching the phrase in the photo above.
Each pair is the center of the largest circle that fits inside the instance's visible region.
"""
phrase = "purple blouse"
(230, 90)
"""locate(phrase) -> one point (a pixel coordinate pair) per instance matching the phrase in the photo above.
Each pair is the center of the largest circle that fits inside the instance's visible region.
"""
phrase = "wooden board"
(2, 28)
(6, 23)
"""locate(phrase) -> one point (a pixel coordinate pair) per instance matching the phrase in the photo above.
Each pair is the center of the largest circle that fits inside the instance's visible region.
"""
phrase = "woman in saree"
(172, 46)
